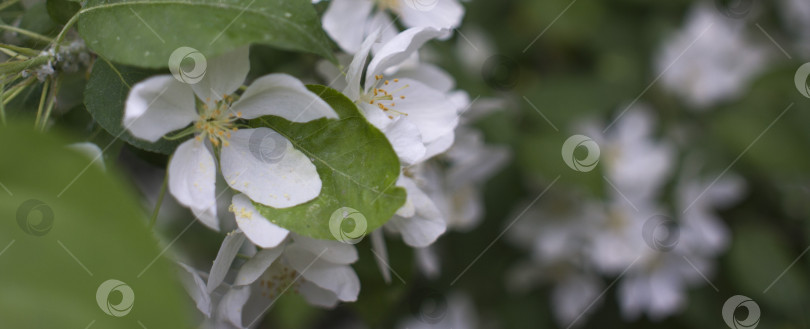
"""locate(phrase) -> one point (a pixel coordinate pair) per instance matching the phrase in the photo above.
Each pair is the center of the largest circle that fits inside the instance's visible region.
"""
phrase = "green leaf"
(105, 97)
(145, 33)
(355, 161)
(68, 226)
(62, 10)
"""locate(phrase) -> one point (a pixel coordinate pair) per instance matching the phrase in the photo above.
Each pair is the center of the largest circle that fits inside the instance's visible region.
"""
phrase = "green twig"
(42, 102)
(51, 102)
(9, 95)
(19, 66)
(7, 4)
(58, 40)
(2, 105)
(32, 35)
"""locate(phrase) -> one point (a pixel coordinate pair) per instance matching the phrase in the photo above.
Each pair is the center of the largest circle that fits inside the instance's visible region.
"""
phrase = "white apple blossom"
(349, 22)
(710, 60)
(417, 117)
(636, 167)
(318, 270)
(455, 312)
(162, 104)
(797, 13)
(657, 286)
(325, 274)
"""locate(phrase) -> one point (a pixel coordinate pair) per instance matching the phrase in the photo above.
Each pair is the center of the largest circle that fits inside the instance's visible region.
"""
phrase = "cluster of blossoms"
(654, 226)
(413, 103)
(657, 247)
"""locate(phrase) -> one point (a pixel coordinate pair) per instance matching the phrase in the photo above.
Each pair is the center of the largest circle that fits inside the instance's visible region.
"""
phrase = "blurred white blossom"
(711, 59)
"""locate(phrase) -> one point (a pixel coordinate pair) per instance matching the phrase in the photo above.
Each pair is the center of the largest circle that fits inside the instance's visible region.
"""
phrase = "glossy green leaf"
(145, 33)
(105, 97)
(68, 227)
(355, 161)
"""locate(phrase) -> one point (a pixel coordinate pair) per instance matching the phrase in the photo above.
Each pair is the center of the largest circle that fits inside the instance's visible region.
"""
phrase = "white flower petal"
(231, 305)
(222, 263)
(91, 151)
(282, 95)
(256, 266)
(316, 295)
(398, 49)
(427, 108)
(439, 145)
(430, 75)
(195, 286)
(192, 179)
(408, 209)
(278, 183)
(223, 75)
(258, 229)
(446, 14)
(340, 279)
(381, 22)
(355, 72)
(157, 106)
(345, 22)
(332, 251)
(406, 140)
(426, 225)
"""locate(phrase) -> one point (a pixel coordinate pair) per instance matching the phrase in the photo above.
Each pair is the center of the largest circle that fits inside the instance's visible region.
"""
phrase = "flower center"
(277, 279)
(387, 4)
(218, 122)
(385, 100)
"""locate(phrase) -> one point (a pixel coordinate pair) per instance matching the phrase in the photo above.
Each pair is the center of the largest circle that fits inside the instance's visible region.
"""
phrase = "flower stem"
(159, 200)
